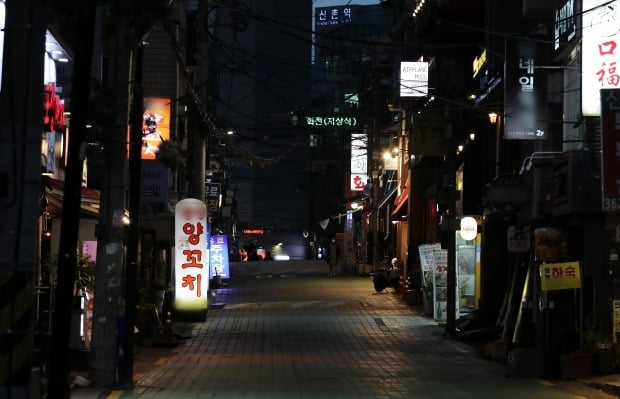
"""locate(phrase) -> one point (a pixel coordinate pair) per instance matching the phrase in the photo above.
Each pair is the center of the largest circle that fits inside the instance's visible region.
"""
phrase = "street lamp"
(495, 119)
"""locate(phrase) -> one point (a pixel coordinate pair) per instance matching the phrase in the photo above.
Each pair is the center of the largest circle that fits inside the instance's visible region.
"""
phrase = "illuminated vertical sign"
(359, 161)
(610, 142)
(600, 52)
(155, 125)
(413, 79)
(191, 267)
(218, 256)
(213, 192)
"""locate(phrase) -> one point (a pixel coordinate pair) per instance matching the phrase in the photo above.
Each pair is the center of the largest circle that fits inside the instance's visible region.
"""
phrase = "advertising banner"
(155, 125)
(440, 284)
(525, 93)
(191, 268)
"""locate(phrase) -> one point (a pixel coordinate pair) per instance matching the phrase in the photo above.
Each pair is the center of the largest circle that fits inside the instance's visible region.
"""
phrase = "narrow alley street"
(288, 330)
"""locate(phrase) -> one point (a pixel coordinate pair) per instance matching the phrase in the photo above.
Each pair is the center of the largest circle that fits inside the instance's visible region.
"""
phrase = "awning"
(399, 208)
(387, 197)
(402, 199)
(55, 192)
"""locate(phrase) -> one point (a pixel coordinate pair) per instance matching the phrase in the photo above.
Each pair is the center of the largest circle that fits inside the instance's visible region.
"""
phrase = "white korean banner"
(191, 269)
(359, 153)
(600, 53)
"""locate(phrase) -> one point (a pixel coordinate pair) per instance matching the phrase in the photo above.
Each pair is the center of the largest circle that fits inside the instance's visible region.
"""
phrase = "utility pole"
(449, 229)
(197, 131)
(67, 254)
(108, 308)
(21, 127)
(133, 239)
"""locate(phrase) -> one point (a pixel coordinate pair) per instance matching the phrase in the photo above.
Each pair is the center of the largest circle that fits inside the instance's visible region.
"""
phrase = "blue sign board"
(218, 256)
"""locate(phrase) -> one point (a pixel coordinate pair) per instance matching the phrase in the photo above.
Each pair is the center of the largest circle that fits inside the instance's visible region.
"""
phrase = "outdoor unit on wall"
(576, 183)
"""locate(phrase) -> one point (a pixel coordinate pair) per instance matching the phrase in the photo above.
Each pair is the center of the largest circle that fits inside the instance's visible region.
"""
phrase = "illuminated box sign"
(191, 269)
(358, 182)
(253, 231)
(564, 25)
(155, 125)
(413, 79)
(524, 94)
(359, 153)
(332, 16)
(560, 276)
(600, 52)
(610, 142)
(479, 63)
(331, 121)
(218, 256)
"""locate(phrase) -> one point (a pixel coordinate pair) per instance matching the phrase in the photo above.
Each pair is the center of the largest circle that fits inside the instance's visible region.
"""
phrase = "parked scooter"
(386, 276)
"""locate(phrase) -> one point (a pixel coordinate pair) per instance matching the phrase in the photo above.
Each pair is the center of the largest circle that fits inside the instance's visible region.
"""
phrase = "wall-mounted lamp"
(493, 117)
(472, 136)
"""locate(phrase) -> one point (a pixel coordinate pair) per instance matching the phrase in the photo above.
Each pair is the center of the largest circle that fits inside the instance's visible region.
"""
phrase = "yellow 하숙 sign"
(560, 276)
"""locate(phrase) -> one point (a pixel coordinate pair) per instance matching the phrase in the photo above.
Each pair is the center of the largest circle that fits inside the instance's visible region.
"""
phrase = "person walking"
(333, 256)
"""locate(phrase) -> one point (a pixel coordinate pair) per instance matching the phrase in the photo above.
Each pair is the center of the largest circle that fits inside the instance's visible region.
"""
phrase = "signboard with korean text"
(155, 125)
(610, 143)
(332, 16)
(560, 276)
(191, 274)
(358, 181)
(600, 53)
(331, 120)
(218, 256)
(525, 93)
(359, 161)
(154, 182)
(413, 79)
(213, 192)
(565, 25)
(427, 264)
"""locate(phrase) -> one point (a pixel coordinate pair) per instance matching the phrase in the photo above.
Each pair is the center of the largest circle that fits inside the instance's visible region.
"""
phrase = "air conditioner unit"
(576, 183)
